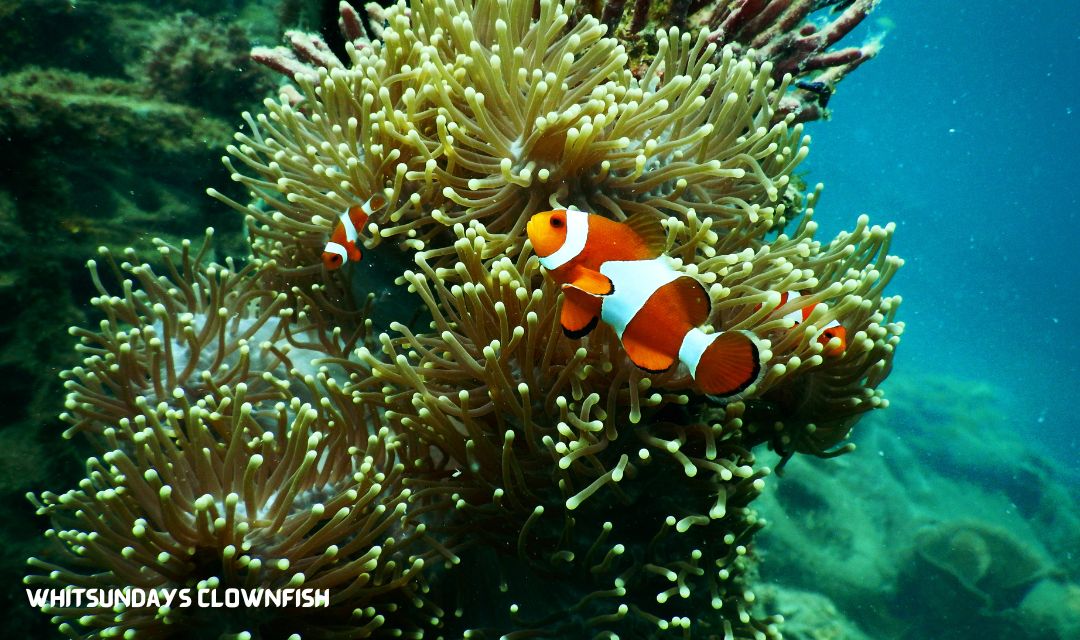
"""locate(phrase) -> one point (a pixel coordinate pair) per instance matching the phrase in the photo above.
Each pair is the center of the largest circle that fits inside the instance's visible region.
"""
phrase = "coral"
(193, 60)
(795, 35)
(43, 104)
(989, 563)
(971, 578)
(783, 31)
(1052, 610)
(809, 616)
(778, 30)
(473, 446)
(93, 157)
(961, 412)
(71, 138)
(100, 50)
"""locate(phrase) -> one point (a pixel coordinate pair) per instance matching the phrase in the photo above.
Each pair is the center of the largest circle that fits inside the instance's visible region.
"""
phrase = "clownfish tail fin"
(723, 364)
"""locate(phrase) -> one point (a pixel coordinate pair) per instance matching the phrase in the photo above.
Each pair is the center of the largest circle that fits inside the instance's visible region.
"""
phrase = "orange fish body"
(616, 272)
(831, 330)
(344, 243)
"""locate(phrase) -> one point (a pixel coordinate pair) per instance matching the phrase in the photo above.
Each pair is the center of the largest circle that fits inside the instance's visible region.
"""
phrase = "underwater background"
(963, 137)
(958, 515)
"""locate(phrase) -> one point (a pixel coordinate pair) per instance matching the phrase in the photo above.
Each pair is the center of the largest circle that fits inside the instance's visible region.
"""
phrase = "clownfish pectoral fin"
(591, 282)
(723, 364)
(648, 229)
(645, 356)
(580, 312)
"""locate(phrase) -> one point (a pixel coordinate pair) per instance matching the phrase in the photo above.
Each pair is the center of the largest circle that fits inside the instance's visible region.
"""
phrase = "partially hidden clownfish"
(617, 272)
(831, 330)
(344, 243)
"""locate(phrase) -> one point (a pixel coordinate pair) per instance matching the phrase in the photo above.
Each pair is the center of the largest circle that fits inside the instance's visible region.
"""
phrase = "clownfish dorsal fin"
(650, 232)
(580, 312)
(591, 282)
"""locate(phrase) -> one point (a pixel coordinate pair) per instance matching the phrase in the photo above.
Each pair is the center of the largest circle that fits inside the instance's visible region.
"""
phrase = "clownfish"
(617, 272)
(344, 245)
(831, 330)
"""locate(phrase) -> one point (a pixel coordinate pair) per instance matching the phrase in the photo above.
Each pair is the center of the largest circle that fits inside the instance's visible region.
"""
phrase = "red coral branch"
(311, 48)
(782, 32)
(281, 60)
(350, 23)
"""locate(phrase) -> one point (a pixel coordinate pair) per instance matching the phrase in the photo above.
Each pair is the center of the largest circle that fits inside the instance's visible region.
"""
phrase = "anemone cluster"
(470, 471)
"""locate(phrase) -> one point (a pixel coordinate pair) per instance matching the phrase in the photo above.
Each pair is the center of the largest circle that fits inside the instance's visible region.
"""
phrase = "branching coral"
(783, 32)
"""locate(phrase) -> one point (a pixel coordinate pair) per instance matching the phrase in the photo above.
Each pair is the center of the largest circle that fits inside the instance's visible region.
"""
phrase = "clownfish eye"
(557, 223)
(335, 259)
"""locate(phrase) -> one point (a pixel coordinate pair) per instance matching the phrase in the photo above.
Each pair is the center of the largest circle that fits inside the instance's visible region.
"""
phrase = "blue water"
(965, 131)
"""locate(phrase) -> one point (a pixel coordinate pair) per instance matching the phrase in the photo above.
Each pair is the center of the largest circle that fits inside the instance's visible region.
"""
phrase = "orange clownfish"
(617, 272)
(344, 245)
(831, 330)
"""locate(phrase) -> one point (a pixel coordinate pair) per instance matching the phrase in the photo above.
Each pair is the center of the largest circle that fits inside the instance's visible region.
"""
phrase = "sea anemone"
(545, 433)
(199, 328)
(556, 475)
(480, 113)
(203, 495)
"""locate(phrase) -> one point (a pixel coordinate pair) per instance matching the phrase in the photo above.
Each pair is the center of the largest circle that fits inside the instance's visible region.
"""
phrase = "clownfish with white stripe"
(617, 272)
(344, 243)
(831, 330)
